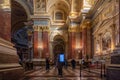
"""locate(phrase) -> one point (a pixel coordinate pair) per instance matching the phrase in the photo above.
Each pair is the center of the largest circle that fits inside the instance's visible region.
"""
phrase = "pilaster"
(84, 39)
(35, 43)
(113, 37)
(72, 41)
(100, 38)
(41, 45)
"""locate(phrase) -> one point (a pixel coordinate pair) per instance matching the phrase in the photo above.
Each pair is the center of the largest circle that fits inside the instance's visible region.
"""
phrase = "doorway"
(58, 47)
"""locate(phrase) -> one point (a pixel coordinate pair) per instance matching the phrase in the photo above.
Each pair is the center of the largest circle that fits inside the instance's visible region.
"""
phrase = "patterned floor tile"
(68, 74)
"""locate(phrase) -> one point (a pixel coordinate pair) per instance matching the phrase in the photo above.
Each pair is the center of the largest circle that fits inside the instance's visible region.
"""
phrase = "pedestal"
(113, 70)
(10, 68)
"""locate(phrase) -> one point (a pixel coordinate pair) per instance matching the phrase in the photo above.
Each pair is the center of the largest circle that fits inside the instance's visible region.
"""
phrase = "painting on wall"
(106, 41)
(106, 44)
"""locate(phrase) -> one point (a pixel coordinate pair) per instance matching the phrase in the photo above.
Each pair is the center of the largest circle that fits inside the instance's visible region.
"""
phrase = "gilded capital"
(41, 28)
(6, 5)
(72, 29)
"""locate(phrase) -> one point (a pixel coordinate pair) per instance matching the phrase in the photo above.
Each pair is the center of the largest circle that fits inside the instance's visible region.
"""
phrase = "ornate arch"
(58, 37)
(49, 4)
(22, 3)
(58, 45)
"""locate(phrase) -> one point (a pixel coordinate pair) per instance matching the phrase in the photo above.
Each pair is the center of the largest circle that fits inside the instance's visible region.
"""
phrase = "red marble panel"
(72, 42)
(5, 25)
(73, 45)
(45, 45)
(69, 46)
(35, 44)
(84, 40)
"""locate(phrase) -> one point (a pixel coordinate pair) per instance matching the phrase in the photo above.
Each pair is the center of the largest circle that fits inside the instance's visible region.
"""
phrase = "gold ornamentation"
(5, 4)
(40, 5)
(41, 28)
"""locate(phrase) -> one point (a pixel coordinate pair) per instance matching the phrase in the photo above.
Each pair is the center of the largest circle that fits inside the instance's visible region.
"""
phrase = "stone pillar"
(66, 49)
(35, 42)
(81, 42)
(45, 43)
(70, 47)
(89, 52)
(100, 38)
(72, 41)
(113, 37)
(94, 46)
(5, 18)
(73, 44)
(81, 46)
(10, 69)
(84, 39)
(40, 41)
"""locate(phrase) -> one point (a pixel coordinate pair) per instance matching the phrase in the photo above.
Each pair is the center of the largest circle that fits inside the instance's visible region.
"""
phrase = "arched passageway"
(58, 46)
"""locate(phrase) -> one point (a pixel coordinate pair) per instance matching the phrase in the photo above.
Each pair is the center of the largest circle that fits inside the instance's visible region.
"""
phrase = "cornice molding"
(40, 16)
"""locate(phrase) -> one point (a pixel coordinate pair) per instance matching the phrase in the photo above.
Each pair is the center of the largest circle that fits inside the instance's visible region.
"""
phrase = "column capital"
(35, 27)
(40, 28)
(72, 29)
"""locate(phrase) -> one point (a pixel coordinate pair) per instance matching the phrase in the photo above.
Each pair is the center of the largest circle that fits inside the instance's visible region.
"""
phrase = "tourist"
(73, 63)
(47, 64)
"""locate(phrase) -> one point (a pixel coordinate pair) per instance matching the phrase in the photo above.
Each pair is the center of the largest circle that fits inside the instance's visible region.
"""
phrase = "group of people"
(59, 65)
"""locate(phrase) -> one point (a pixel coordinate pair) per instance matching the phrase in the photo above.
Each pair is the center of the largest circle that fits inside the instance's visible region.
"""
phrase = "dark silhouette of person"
(59, 66)
(73, 63)
(47, 64)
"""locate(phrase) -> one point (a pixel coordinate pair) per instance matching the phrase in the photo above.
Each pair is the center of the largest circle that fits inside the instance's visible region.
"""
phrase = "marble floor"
(68, 74)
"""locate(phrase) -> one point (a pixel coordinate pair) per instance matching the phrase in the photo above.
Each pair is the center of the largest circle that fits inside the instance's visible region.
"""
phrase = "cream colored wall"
(104, 21)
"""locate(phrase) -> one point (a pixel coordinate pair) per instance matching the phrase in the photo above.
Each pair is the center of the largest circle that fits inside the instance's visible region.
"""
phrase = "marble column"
(45, 43)
(5, 30)
(94, 46)
(35, 42)
(40, 43)
(84, 39)
(89, 41)
(81, 45)
(72, 42)
(113, 37)
(70, 47)
(100, 38)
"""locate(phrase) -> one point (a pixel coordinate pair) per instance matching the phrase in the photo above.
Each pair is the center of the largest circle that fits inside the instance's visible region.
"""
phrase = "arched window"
(58, 16)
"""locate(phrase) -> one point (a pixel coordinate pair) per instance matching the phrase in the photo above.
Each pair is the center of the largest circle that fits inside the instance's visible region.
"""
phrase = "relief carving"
(40, 5)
